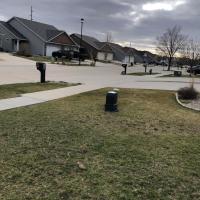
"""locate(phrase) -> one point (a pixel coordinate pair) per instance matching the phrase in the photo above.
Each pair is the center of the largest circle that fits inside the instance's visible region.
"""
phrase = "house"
(10, 39)
(33, 37)
(122, 55)
(96, 49)
(137, 57)
(148, 57)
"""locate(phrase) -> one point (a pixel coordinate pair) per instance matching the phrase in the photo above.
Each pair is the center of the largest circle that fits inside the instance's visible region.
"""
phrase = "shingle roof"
(45, 31)
(52, 33)
(90, 40)
(14, 32)
(119, 53)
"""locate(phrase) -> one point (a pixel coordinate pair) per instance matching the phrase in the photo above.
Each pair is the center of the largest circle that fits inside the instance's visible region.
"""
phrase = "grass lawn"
(15, 90)
(36, 58)
(141, 74)
(183, 76)
(74, 64)
(148, 150)
(49, 59)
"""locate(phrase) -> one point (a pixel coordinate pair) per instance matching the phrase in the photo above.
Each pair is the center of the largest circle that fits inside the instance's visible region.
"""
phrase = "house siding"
(63, 39)
(6, 39)
(37, 46)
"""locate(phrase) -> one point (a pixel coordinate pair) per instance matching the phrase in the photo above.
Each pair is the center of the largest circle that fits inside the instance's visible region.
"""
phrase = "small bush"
(188, 93)
(23, 53)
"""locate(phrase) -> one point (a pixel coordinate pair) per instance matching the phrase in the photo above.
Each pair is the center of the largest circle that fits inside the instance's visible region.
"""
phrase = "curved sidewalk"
(44, 96)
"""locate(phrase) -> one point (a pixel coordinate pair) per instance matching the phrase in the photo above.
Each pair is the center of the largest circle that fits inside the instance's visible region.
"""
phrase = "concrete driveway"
(18, 70)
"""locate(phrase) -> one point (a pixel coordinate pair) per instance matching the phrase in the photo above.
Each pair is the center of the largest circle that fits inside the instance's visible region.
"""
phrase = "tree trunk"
(169, 64)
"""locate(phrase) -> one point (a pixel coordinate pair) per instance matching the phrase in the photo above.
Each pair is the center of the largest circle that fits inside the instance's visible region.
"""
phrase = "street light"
(82, 21)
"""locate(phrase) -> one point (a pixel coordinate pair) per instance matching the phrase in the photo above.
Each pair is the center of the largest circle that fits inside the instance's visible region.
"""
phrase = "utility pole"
(82, 21)
(31, 13)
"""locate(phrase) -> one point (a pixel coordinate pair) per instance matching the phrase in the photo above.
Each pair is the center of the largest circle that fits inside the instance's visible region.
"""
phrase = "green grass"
(141, 74)
(15, 90)
(148, 150)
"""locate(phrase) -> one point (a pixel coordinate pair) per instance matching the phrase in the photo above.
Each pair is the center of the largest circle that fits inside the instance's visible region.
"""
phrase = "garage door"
(101, 56)
(132, 59)
(52, 48)
(109, 56)
(129, 59)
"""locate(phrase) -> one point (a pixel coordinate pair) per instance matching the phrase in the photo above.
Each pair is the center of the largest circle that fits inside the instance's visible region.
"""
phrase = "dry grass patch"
(15, 90)
(148, 150)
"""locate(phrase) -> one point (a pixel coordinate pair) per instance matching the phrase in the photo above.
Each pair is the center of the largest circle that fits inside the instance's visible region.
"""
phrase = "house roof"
(15, 34)
(45, 31)
(53, 33)
(104, 46)
(88, 39)
(119, 53)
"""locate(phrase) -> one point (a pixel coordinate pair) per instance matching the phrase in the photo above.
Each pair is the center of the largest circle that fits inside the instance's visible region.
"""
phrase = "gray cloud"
(126, 19)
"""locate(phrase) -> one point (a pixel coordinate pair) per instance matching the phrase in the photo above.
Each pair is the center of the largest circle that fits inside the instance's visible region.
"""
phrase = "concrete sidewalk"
(44, 96)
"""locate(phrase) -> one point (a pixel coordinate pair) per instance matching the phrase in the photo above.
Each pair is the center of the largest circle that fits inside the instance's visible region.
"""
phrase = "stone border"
(185, 105)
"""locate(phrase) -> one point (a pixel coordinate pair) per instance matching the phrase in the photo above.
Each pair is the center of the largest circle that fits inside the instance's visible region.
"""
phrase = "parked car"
(194, 70)
(83, 54)
(1, 49)
(63, 54)
(71, 54)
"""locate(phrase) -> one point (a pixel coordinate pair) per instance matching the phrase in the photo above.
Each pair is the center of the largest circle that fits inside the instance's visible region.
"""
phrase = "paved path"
(44, 96)
(19, 70)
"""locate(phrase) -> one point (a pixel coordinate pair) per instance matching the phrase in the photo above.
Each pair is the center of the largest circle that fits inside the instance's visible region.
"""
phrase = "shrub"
(188, 93)
(22, 53)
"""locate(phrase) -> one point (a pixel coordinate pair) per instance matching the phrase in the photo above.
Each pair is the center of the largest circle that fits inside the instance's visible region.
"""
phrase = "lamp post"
(82, 21)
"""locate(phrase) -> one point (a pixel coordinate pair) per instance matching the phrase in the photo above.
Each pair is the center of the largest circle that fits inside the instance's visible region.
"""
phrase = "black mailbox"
(42, 68)
(111, 102)
(125, 68)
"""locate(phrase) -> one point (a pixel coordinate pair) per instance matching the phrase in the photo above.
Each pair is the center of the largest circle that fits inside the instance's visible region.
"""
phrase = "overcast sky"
(135, 21)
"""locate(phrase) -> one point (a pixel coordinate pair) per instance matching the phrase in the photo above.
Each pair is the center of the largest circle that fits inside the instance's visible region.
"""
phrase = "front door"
(14, 45)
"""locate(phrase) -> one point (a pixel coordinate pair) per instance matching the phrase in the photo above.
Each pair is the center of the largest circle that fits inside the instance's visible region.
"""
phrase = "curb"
(184, 105)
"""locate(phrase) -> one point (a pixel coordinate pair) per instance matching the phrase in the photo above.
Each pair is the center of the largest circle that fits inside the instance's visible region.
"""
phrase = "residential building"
(96, 49)
(33, 37)
(138, 58)
(122, 55)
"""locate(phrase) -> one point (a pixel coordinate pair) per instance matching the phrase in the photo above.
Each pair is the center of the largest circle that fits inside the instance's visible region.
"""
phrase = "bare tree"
(109, 37)
(192, 52)
(170, 43)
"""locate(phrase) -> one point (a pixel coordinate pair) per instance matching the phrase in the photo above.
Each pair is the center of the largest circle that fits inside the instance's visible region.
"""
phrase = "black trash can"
(42, 68)
(177, 73)
(111, 102)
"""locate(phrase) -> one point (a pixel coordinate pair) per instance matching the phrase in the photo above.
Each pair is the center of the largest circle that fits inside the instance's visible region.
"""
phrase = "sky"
(131, 22)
